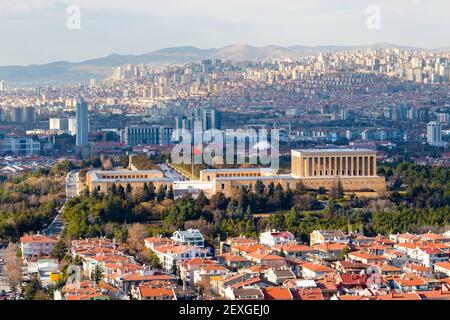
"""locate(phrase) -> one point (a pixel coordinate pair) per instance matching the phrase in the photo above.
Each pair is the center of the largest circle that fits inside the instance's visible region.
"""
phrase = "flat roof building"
(102, 181)
(355, 169)
(334, 163)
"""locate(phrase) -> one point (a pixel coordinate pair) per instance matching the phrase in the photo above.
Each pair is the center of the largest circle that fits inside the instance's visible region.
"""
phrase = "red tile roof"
(149, 292)
(316, 267)
(140, 277)
(37, 239)
(308, 294)
(274, 293)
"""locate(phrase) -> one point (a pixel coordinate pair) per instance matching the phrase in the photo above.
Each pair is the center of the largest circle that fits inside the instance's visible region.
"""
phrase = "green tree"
(124, 161)
(170, 193)
(344, 253)
(32, 289)
(153, 260)
(113, 190)
(161, 195)
(121, 192)
(201, 202)
(322, 190)
(219, 201)
(248, 213)
(279, 196)
(96, 163)
(300, 188)
(337, 190)
(259, 187)
(331, 207)
(128, 190)
(97, 274)
(174, 269)
(60, 249)
(271, 189)
(150, 192)
(277, 221)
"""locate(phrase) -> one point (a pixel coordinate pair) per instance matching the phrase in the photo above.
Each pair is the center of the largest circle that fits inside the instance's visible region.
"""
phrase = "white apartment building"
(207, 271)
(61, 124)
(20, 146)
(429, 256)
(3, 85)
(275, 238)
(318, 237)
(171, 255)
(190, 237)
(434, 134)
(36, 245)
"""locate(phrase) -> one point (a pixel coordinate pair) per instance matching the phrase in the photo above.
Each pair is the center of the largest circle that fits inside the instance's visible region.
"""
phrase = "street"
(72, 184)
(57, 226)
(171, 173)
(3, 284)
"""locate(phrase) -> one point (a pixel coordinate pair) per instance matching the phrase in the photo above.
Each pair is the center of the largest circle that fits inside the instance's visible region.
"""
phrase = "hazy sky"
(35, 31)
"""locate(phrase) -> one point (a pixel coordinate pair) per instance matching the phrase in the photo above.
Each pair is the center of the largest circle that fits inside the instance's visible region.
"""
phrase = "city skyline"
(105, 28)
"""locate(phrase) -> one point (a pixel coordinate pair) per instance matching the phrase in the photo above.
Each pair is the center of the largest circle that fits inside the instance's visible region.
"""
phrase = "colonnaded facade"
(356, 169)
(102, 181)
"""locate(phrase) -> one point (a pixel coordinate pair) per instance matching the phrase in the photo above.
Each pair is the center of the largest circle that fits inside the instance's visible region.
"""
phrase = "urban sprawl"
(94, 206)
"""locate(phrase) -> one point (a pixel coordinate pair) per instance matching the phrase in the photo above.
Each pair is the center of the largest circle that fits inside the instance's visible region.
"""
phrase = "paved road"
(171, 173)
(57, 226)
(3, 284)
(72, 184)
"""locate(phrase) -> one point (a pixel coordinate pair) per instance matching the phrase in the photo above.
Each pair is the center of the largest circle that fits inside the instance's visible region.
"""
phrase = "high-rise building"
(24, 115)
(434, 134)
(147, 135)
(3, 86)
(443, 118)
(92, 82)
(211, 119)
(16, 115)
(412, 114)
(352, 134)
(59, 124)
(29, 115)
(82, 124)
(183, 122)
(72, 126)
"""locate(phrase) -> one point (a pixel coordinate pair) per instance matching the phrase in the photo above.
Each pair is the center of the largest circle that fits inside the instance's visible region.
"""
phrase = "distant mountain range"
(67, 72)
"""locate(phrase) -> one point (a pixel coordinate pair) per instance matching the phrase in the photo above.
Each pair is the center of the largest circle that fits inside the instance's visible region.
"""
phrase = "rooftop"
(267, 170)
(331, 151)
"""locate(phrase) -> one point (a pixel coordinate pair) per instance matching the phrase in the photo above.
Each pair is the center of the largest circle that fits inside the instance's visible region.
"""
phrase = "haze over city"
(35, 32)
